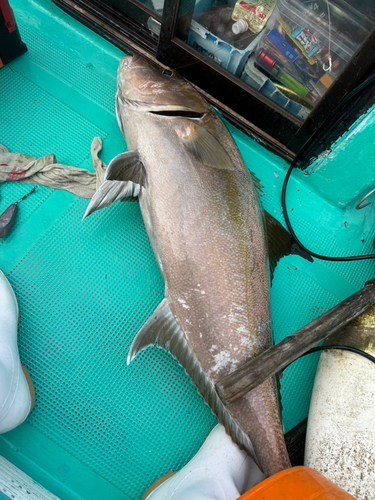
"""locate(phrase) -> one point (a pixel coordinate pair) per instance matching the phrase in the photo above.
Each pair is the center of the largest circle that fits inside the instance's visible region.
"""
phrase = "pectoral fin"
(109, 192)
(127, 167)
(204, 146)
(123, 179)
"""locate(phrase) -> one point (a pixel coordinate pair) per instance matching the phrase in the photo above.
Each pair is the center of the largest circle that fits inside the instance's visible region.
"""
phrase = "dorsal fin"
(258, 186)
(162, 328)
(280, 243)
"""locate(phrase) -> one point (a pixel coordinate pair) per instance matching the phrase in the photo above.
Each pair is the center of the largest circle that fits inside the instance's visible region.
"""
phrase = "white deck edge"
(16, 485)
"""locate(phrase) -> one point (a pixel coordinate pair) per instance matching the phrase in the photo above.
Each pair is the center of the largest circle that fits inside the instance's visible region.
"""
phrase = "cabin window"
(277, 68)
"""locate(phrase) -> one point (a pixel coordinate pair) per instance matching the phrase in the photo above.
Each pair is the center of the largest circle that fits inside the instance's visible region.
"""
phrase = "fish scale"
(206, 227)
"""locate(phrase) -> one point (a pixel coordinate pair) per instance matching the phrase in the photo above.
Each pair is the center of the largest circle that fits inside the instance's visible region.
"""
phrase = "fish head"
(148, 88)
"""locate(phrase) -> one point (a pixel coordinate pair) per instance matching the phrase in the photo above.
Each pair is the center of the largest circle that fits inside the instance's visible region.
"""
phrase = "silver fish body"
(205, 223)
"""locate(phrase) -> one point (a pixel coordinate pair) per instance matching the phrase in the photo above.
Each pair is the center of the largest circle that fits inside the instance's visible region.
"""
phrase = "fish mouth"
(128, 61)
(143, 87)
(135, 63)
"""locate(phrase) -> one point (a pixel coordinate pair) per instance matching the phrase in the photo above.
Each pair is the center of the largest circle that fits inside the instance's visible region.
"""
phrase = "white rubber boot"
(219, 471)
(340, 438)
(16, 389)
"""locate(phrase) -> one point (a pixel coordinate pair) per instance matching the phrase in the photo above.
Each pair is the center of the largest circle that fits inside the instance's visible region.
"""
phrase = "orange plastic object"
(297, 483)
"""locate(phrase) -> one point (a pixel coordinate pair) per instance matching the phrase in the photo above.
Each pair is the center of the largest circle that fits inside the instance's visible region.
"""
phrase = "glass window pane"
(290, 51)
(134, 9)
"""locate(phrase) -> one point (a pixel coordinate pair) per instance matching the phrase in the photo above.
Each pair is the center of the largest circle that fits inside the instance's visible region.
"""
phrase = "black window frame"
(239, 103)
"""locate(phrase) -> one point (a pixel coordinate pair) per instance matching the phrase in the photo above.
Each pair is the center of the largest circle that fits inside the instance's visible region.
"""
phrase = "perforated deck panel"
(101, 429)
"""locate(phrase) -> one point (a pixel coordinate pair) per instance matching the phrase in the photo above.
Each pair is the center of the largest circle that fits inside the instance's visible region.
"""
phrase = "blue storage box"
(221, 52)
(260, 82)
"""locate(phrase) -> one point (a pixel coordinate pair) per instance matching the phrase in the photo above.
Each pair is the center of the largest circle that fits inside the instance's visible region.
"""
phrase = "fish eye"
(168, 72)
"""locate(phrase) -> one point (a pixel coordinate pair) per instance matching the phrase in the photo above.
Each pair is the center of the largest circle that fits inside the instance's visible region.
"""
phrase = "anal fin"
(162, 328)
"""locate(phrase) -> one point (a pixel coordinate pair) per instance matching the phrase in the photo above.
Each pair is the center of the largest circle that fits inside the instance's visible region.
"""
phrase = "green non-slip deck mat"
(101, 429)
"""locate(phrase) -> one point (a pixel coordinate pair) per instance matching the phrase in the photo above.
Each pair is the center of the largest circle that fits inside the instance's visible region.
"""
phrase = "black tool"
(8, 218)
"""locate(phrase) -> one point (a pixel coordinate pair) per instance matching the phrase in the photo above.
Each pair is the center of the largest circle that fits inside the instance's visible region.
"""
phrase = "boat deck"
(101, 429)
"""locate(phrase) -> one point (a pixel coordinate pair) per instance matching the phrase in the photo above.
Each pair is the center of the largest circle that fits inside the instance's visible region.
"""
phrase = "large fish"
(206, 226)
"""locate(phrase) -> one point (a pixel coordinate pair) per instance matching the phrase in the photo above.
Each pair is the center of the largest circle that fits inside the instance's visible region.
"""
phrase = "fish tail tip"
(129, 359)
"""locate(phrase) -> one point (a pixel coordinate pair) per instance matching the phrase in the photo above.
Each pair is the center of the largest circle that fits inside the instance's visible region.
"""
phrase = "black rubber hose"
(354, 92)
(336, 348)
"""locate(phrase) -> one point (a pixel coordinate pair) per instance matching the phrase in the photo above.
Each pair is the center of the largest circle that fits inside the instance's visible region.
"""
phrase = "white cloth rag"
(47, 172)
